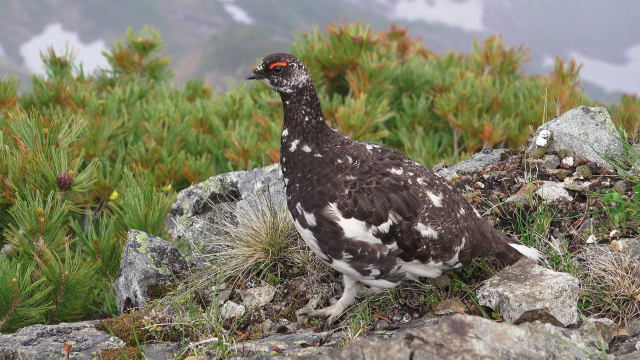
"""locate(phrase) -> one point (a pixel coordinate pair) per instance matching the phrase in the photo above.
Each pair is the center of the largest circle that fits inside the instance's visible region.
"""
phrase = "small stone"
(622, 186)
(526, 291)
(232, 310)
(583, 172)
(601, 330)
(553, 192)
(551, 161)
(566, 162)
(523, 195)
(591, 239)
(441, 281)
(560, 174)
(258, 296)
(618, 245)
(478, 185)
(537, 153)
(449, 306)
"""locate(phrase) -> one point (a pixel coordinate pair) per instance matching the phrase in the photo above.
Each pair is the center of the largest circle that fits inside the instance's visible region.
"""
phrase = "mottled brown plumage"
(368, 211)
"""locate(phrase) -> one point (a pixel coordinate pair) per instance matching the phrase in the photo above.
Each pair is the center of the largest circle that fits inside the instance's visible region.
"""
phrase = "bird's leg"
(351, 289)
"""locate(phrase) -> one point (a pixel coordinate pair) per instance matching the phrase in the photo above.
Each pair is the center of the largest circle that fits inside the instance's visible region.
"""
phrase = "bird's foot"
(332, 312)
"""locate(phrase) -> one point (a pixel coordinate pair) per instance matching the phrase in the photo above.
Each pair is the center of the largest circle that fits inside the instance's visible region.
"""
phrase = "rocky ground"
(558, 194)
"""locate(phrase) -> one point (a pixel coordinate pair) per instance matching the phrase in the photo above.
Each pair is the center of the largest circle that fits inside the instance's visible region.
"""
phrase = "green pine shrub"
(85, 157)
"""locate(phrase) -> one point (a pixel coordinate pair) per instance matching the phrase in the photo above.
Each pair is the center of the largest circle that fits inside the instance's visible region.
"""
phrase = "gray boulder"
(477, 162)
(47, 342)
(471, 337)
(194, 203)
(586, 131)
(526, 291)
(148, 264)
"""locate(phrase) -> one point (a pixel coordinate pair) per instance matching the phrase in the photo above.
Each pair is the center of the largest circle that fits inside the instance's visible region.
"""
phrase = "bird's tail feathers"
(528, 252)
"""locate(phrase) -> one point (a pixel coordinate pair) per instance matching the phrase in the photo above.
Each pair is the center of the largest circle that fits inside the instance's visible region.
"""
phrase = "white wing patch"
(426, 231)
(352, 228)
(435, 199)
(311, 219)
(417, 269)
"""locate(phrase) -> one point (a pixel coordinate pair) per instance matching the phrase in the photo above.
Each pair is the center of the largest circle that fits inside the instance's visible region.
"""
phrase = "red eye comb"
(279, 63)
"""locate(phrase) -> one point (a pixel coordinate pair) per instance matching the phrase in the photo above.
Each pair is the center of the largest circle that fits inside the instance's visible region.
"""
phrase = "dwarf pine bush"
(83, 157)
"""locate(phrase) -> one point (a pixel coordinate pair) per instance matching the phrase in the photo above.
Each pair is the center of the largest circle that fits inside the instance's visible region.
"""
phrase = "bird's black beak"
(255, 76)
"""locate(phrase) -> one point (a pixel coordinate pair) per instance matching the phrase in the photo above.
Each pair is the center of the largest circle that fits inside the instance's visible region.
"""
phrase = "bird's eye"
(277, 67)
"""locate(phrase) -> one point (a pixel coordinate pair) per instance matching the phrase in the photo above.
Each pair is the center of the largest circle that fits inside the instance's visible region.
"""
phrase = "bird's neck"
(302, 114)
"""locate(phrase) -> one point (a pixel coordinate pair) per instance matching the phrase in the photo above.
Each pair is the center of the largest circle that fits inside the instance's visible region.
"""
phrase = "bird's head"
(282, 72)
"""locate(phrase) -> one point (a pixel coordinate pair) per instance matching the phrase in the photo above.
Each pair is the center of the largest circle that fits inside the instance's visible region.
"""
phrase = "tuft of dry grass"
(262, 240)
(611, 280)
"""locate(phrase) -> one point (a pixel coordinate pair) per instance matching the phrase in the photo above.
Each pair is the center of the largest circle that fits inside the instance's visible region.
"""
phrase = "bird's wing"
(406, 204)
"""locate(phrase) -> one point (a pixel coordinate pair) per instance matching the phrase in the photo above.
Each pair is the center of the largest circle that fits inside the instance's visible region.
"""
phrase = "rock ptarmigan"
(368, 211)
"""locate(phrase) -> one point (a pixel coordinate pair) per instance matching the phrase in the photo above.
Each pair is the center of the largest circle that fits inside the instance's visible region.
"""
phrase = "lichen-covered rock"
(257, 296)
(148, 264)
(47, 342)
(231, 310)
(526, 291)
(586, 131)
(199, 199)
(162, 350)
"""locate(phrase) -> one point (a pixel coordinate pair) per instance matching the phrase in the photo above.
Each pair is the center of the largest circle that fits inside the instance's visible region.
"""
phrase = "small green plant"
(623, 207)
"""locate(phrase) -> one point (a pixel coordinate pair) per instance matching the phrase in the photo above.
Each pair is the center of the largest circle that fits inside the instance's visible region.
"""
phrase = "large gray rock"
(47, 342)
(471, 337)
(148, 264)
(586, 131)
(526, 291)
(199, 199)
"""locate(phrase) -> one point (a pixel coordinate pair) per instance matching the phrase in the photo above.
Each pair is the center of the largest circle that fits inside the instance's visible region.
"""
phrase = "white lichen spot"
(543, 138)
(397, 171)
(435, 199)
(285, 132)
(422, 181)
(318, 155)
(306, 148)
(294, 145)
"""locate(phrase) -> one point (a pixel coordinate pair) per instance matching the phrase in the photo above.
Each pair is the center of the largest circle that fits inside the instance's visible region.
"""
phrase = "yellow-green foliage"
(84, 158)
